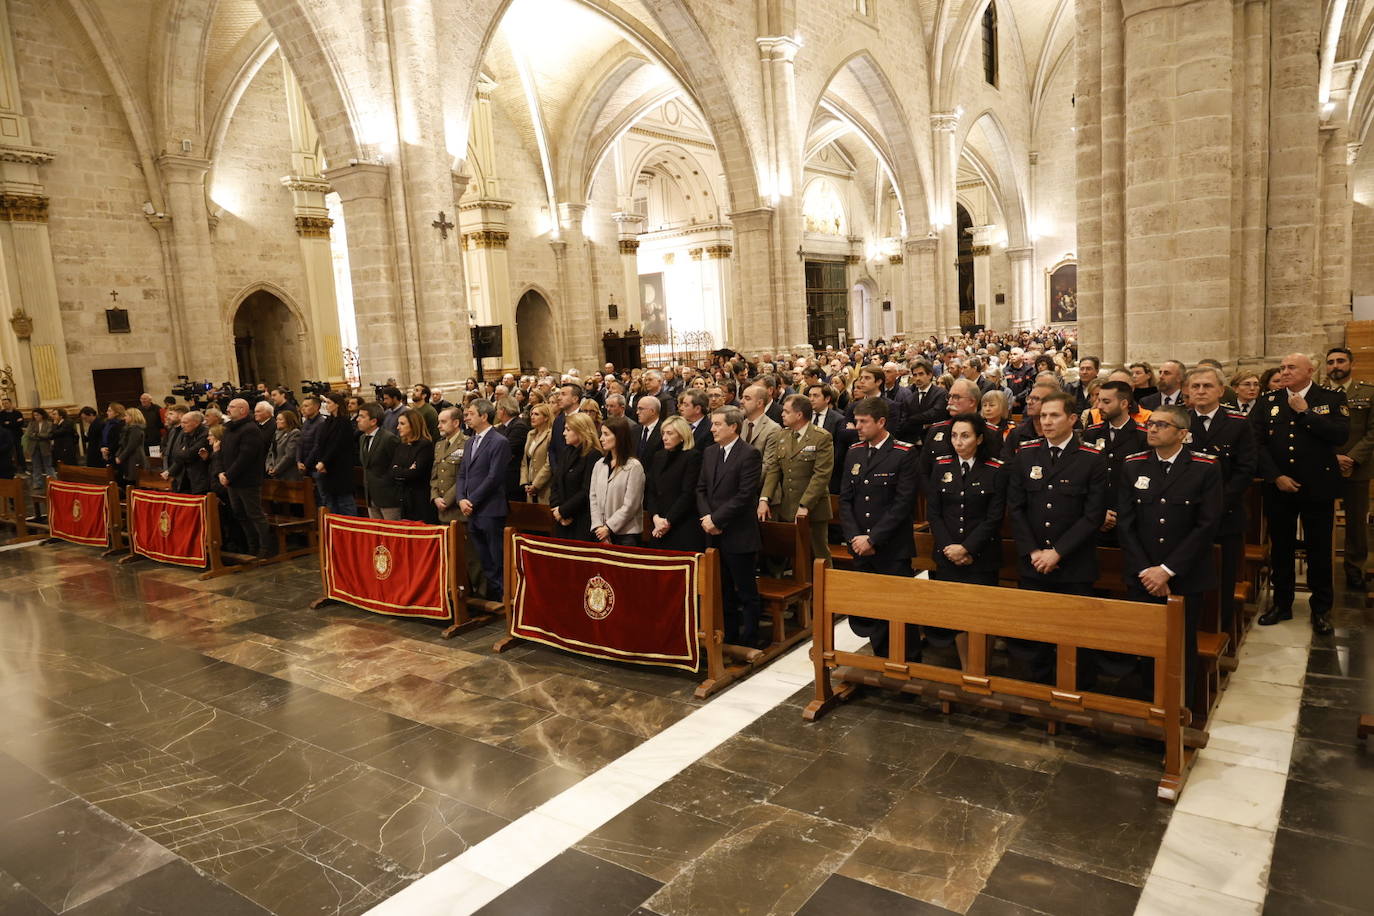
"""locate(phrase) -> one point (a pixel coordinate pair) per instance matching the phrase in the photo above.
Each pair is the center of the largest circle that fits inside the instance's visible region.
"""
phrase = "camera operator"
(334, 456)
(243, 453)
(188, 456)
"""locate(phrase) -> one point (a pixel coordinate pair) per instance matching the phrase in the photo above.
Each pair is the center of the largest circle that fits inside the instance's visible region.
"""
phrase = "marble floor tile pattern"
(179, 746)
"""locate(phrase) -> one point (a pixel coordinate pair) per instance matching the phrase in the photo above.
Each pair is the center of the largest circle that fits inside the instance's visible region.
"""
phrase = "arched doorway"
(267, 341)
(534, 330)
(968, 302)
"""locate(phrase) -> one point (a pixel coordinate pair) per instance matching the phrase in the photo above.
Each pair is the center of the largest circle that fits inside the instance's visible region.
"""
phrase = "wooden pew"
(532, 518)
(79, 473)
(13, 499)
(790, 543)
(149, 479)
(291, 509)
(1070, 622)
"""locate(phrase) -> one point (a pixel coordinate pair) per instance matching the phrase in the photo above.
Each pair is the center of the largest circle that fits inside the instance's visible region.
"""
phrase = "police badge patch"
(1036, 472)
(948, 478)
(1142, 483)
(854, 469)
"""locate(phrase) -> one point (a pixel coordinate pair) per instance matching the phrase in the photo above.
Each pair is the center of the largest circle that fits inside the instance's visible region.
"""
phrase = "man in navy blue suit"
(482, 490)
(727, 494)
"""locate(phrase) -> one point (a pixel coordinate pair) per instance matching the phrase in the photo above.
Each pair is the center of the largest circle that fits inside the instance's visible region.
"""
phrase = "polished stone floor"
(177, 746)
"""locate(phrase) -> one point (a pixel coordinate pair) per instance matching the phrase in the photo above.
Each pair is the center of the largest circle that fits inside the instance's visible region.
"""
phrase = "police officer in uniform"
(876, 506)
(1298, 429)
(964, 398)
(797, 484)
(1171, 502)
(1226, 434)
(1057, 496)
(1354, 460)
(1117, 436)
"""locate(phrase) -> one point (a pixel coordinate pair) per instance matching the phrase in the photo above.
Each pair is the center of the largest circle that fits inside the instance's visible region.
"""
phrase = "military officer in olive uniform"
(877, 501)
(797, 484)
(1226, 434)
(1117, 436)
(443, 485)
(1298, 429)
(1057, 497)
(1171, 502)
(1354, 459)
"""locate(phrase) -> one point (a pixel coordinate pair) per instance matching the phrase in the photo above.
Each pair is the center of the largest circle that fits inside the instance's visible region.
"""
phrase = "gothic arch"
(235, 86)
(180, 35)
(1009, 185)
(554, 325)
(945, 78)
(231, 306)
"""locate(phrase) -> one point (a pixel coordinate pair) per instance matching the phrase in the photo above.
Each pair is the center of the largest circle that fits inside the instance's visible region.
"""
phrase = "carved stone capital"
(485, 238)
(27, 155)
(629, 246)
(1020, 254)
(23, 208)
(300, 183)
(895, 259)
(313, 227)
(719, 251)
(694, 253)
(944, 121)
(853, 258)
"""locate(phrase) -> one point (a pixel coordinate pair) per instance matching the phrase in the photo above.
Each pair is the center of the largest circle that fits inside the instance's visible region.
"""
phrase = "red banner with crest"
(169, 527)
(397, 568)
(621, 603)
(79, 512)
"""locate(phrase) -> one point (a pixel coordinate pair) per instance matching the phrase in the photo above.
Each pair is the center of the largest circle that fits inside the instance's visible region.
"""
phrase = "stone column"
(787, 293)
(581, 331)
(946, 159)
(430, 252)
(364, 192)
(982, 272)
(628, 226)
(207, 328)
(720, 266)
(918, 318)
(753, 326)
(1023, 312)
(488, 270)
(308, 189)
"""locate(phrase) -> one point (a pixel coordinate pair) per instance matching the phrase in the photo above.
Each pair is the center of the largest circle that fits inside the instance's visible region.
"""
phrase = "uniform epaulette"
(1205, 457)
(859, 445)
(1138, 456)
(1236, 415)
(994, 462)
(942, 423)
(1029, 443)
(945, 459)
(1089, 449)
(1140, 427)
(901, 446)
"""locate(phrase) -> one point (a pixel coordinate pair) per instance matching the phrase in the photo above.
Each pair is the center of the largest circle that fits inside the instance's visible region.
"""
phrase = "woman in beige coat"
(534, 466)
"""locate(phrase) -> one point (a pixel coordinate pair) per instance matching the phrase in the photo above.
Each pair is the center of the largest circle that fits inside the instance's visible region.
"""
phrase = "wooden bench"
(13, 500)
(291, 509)
(79, 473)
(532, 518)
(790, 543)
(149, 479)
(1070, 622)
(1365, 728)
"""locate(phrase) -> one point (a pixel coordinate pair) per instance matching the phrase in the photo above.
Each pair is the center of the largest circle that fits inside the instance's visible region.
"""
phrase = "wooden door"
(122, 385)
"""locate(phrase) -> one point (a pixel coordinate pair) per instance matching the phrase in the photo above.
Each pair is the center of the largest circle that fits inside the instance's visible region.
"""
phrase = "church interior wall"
(1053, 217)
(255, 240)
(100, 239)
(1362, 226)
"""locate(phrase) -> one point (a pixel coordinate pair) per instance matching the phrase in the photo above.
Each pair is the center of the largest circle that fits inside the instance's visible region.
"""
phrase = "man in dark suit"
(824, 415)
(242, 455)
(482, 490)
(877, 502)
(926, 404)
(1115, 437)
(1170, 386)
(1227, 435)
(569, 400)
(510, 424)
(649, 436)
(375, 451)
(652, 386)
(1057, 498)
(1088, 368)
(92, 425)
(727, 494)
(188, 455)
(1298, 429)
(695, 407)
(1171, 503)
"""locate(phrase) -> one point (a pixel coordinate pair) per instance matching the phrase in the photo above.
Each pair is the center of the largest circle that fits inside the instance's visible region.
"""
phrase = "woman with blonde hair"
(129, 457)
(670, 495)
(534, 465)
(1246, 384)
(572, 482)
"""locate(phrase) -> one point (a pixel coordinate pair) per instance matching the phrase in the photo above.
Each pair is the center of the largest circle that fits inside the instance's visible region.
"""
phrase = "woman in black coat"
(64, 437)
(411, 465)
(670, 492)
(572, 480)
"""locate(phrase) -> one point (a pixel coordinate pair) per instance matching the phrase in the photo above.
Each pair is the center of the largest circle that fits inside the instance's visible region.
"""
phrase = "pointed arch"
(1009, 184)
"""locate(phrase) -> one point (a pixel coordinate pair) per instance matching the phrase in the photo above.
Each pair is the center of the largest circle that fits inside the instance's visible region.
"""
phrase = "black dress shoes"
(1321, 625)
(1275, 615)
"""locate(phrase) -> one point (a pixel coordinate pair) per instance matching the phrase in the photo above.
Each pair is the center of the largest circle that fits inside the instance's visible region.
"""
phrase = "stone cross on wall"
(442, 224)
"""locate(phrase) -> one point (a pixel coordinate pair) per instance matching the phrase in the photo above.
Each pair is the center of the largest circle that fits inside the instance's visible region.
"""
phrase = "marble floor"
(177, 746)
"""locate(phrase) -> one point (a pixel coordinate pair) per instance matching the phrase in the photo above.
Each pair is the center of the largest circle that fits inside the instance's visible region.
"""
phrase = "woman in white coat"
(617, 491)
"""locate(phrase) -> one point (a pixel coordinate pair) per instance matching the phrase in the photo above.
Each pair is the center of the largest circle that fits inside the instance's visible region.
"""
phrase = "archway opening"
(267, 341)
(968, 293)
(534, 327)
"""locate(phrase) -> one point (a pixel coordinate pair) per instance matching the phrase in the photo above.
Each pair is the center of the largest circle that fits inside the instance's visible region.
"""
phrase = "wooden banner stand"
(214, 552)
(114, 529)
(12, 503)
(457, 587)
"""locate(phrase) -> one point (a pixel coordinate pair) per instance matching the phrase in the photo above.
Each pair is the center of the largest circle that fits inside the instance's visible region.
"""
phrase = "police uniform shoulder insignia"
(1205, 457)
(994, 462)
(1084, 447)
(1140, 428)
(1138, 456)
(859, 445)
(942, 423)
(945, 459)
(1030, 443)
(1236, 415)
(901, 446)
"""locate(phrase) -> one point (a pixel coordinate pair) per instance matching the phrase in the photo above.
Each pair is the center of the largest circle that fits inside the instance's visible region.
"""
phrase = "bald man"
(1298, 429)
(242, 454)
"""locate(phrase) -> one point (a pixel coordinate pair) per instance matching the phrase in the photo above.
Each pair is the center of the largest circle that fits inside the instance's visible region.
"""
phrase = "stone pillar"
(918, 318)
(439, 311)
(364, 192)
(1023, 311)
(488, 271)
(1336, 212)
(982, 273)
(581, 329)
(308, 189)
(206, 325)
(719, 264)
(1088, 90)
(787, 293)
(753, 326)
(628, 226)
(946, 161)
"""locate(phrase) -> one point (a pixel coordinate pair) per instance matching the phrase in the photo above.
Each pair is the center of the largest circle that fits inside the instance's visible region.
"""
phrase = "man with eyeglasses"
(1171, 503)
(964, 397)
(1029, 427)
(1298, 428)
(1227, 435)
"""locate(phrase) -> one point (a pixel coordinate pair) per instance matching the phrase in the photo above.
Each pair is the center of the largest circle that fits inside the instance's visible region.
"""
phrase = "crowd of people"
(1014, 429)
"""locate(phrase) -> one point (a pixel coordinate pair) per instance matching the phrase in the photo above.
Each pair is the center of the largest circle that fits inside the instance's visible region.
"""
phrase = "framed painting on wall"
(1062, 291)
